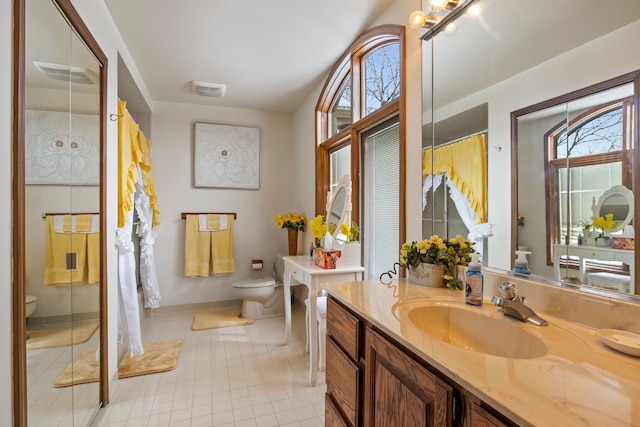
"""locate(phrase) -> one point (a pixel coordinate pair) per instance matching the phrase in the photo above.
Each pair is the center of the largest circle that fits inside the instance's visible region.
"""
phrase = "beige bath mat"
(85, 369)
(202, 321)
(158, 356)
(49, 338)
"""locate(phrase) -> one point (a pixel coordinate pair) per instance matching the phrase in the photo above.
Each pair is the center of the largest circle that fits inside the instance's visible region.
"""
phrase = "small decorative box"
(324, 258)
(625, 243)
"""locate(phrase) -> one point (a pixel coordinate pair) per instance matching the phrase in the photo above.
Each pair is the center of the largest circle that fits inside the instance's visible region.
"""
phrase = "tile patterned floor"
(236, 376)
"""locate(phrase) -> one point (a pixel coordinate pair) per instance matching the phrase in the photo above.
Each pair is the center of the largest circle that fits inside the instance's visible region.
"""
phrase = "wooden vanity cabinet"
(344, 366)
(401, 392)
(374, 381)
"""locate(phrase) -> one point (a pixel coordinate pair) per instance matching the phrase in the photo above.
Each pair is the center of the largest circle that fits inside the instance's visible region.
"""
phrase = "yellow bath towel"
(197, 249)
(58, 246)
(222, 250)
(93, 258)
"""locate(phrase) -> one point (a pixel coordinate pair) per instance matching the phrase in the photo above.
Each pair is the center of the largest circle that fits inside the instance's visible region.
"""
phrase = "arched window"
(359, 122)
(585, 157)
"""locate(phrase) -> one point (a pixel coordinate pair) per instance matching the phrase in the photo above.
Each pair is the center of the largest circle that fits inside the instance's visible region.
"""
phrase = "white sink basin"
(485, 330)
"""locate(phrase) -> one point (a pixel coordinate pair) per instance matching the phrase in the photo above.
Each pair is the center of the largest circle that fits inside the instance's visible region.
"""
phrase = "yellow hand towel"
(222, 250)
(213, 222)
(197, 249)
(58, 246)
(93, 258)
(83, 223)
(66, 223)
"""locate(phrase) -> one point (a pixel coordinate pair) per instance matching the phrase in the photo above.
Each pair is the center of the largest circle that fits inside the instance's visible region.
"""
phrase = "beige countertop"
(579, 382)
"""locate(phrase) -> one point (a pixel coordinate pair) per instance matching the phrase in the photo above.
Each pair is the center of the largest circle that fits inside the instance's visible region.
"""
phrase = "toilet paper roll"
(256, 266)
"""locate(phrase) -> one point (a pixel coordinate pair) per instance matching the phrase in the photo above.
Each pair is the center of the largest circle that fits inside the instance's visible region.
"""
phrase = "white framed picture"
(62, 148)
(226, 156)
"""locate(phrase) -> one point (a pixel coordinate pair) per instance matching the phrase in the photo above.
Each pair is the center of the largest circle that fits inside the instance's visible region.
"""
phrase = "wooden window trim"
(349, 64)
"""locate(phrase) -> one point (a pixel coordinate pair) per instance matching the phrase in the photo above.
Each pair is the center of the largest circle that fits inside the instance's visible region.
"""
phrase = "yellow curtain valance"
(465, 164)
(134, 150)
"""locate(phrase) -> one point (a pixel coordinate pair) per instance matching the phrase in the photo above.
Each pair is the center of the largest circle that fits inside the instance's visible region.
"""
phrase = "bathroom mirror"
(338, 206)
(501, 62)
(618, 201)
(60, 349)
(580, 143)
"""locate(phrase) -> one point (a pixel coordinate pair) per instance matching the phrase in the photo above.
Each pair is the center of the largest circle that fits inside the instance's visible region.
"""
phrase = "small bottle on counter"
(474, 283)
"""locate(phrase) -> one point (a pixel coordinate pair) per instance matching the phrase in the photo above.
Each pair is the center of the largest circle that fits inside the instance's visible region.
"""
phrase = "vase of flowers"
(442, 259)
(603, 224)
(586, 225)
(293, 222)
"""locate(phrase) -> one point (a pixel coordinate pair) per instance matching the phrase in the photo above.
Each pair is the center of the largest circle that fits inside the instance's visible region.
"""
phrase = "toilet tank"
(278, 268)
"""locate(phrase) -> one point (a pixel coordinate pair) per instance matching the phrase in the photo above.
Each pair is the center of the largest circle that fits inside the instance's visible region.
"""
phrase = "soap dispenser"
(474, 284)
(522, 265)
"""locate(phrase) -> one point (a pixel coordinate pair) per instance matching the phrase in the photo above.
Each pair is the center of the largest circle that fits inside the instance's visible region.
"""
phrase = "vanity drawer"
(297, 275)
(592, 253)
(344, 328)
(343, 379)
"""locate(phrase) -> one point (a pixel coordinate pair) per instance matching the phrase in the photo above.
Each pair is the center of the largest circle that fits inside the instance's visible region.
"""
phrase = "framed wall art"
(62, 148)
(226, 156)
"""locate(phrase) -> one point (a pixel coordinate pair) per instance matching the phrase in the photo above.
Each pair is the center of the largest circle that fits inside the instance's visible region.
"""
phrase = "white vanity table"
(584, 253)
(303, 271)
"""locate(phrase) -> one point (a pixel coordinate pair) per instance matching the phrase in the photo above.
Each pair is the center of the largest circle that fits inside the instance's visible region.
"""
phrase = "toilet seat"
(255, 282)
(30, 299)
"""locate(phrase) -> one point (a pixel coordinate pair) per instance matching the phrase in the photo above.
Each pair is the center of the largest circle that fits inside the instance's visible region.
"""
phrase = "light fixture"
(215, 90)
(441, 15)
(65, 72)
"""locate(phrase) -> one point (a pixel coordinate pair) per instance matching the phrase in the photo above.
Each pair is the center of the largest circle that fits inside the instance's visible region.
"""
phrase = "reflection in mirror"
(582, 144)
(339, 209)
(618, 202)
(507, 59)
(62, 204)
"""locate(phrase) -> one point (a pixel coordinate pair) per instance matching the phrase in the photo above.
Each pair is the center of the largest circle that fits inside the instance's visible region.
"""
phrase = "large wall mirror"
(539, 65)
(584, 145)
(60, 342)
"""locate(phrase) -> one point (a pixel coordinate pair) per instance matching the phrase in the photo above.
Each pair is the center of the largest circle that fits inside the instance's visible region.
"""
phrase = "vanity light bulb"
(416, 20)
(450, 28)
(474, 10)
(436, 5)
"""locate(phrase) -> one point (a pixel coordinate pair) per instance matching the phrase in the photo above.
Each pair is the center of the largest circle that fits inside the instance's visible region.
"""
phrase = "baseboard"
(62, 318)
(181, 308)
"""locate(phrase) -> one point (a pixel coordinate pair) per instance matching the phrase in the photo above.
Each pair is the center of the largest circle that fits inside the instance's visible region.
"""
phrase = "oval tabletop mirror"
(338, 207)
(618, 201)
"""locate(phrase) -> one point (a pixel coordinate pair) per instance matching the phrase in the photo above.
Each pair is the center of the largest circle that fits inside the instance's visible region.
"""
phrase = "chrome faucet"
(512, 305)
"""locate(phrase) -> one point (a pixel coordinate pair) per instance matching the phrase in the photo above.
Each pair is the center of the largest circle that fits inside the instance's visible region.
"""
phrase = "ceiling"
(272, 54)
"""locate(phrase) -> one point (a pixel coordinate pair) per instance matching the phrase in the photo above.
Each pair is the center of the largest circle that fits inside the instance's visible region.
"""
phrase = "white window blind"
(381, 184)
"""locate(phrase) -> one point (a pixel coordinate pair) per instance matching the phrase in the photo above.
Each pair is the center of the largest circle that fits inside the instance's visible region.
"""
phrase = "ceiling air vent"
(208, 89)
(65, 72)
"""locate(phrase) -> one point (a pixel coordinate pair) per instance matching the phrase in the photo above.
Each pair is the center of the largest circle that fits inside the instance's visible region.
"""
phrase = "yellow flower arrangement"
(293, 220)
(352, 232)
(603, 223)
(317, 226)
(318, 229)
(450, 253)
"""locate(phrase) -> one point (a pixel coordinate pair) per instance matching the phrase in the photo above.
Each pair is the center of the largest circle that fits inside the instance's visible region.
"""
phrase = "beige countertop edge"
(590, 385)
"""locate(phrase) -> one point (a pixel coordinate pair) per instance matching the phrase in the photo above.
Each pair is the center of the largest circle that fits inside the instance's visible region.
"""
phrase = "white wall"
(255, 235)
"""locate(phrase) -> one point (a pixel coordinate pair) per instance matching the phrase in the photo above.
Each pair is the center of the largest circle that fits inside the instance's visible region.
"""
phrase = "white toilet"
(30, 304)
(262, 296)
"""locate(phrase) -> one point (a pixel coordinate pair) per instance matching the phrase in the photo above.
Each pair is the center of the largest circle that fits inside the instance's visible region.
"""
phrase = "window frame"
(554, 165)
(350, 65)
